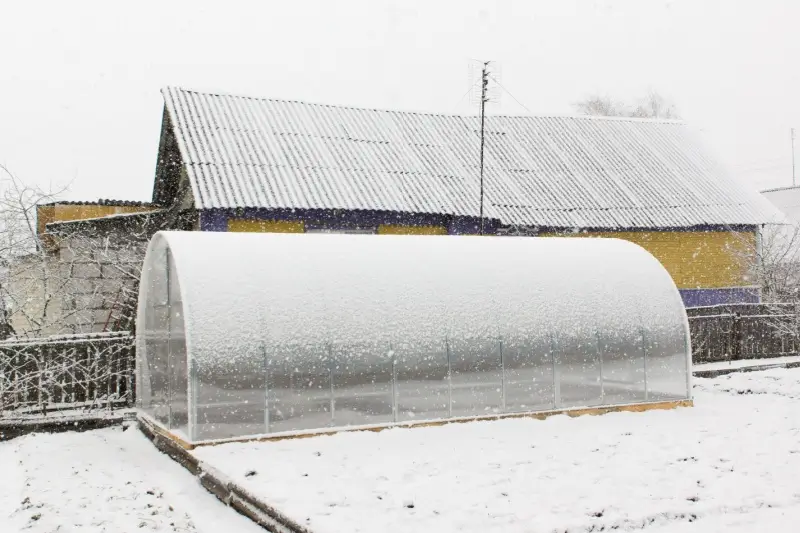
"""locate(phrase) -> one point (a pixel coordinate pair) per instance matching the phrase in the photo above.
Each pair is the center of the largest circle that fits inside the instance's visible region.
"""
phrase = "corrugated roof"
(539, 171)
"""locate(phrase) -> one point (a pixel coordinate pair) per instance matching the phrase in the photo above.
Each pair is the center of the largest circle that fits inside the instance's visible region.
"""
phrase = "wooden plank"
(539, 415)
(218, 484)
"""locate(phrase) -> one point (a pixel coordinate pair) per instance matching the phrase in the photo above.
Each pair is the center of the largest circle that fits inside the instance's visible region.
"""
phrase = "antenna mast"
(793, 180)
(484, 84)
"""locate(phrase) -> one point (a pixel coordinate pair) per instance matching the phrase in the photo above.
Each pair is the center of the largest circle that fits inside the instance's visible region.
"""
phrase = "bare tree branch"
(74, 280)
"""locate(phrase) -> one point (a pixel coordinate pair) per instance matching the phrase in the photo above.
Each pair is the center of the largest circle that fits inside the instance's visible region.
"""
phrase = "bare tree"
(773, 262)
(75, 279)
(651, 106)
(655, 106)
(28, 284)
(601, 105)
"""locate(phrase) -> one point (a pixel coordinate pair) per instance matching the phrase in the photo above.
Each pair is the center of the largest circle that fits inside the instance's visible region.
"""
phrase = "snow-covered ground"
(103, 481)
(732, 463)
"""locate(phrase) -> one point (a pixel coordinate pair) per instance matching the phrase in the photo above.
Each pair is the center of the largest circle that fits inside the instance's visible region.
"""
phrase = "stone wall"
(101, 283)
(87, 284)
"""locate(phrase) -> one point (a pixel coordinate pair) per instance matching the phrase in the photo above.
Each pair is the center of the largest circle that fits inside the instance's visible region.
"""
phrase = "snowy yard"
(731, 463)
(104, 480)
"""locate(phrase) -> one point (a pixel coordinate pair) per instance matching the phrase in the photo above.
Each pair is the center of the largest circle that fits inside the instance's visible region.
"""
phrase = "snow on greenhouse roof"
(540, 171)
(288, 333)
(240, 291)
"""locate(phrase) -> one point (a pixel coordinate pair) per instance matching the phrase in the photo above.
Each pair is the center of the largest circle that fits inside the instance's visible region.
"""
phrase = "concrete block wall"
(102, 285)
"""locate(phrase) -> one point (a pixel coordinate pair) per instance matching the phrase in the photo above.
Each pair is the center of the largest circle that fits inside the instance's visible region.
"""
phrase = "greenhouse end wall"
(263, 334)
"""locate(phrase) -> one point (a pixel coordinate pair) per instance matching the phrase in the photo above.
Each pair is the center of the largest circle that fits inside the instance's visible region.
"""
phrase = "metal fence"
(66, 372)
(742, 331)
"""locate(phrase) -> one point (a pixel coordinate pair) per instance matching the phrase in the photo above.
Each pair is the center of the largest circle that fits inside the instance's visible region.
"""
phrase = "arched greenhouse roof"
(243, 334)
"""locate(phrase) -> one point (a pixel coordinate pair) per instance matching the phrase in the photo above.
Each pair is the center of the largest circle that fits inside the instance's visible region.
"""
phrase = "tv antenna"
(481, 92)
(793, 180)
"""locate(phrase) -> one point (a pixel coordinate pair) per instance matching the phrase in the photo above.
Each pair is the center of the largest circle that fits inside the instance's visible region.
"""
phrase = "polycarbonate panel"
(476, 376)
(231, 400)
(423, 386)
(666, 363)
(363, 384)
(623, 365)
(178, 369)
(528, 363)
(665, 345)
(301, 333)
(158, 364)
(299, 385)
(153, 369)
(578, 369)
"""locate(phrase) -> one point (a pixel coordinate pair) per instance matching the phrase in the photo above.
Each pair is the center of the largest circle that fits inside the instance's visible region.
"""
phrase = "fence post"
(736, 337)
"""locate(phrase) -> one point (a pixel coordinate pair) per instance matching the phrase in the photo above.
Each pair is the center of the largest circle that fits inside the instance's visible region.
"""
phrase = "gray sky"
(80, 80)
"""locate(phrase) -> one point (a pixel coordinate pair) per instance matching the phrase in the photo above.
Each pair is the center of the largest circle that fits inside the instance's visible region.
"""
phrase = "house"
(254, 164)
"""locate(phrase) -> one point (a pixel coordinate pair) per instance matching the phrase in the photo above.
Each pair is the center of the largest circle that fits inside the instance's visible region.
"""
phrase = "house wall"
(266, 226)
(298, 221)
(397, 229)
(708, 267)
(45, 214)
(67, 212)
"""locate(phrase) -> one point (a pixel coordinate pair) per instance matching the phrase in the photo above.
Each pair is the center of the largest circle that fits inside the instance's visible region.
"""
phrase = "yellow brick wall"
(266, 226)
(392, 229)
(698, 259)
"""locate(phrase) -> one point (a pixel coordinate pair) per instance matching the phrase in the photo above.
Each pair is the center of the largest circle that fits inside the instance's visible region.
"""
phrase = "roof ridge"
(785, 188)
(646, 120)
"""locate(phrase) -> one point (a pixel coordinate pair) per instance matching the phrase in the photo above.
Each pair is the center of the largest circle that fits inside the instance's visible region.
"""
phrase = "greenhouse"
(254, 334)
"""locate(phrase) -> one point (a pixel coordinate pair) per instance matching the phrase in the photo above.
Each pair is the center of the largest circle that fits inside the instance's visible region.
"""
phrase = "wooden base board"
(539, 415)
(154, 430)
(218, 484)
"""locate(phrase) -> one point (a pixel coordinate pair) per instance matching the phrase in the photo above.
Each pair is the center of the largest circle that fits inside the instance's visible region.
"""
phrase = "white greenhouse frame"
(268, 335)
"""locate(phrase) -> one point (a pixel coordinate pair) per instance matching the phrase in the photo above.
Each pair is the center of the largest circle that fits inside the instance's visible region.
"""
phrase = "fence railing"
(742, 331)
(66, 372)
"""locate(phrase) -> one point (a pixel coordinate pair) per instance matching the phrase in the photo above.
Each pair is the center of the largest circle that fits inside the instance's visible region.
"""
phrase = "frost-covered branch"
(74, 279)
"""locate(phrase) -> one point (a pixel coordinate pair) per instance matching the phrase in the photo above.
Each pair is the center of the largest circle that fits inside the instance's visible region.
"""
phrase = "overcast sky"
(80, 80)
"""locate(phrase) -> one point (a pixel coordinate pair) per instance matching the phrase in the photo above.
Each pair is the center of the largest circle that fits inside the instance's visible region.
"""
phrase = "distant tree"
(651, 106)
(655, 106)
(600, 105)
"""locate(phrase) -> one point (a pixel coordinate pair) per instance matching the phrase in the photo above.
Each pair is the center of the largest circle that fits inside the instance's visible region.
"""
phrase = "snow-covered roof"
(241, 309)
(584, 172)
(787, 199)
